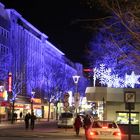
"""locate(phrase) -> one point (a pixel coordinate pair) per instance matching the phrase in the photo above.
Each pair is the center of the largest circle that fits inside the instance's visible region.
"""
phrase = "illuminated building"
(36, 65)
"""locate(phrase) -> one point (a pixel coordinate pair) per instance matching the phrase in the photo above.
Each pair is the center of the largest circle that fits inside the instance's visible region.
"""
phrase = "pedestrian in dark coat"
(26, 119)
(32, 123)
(87, 123)
(77, 124)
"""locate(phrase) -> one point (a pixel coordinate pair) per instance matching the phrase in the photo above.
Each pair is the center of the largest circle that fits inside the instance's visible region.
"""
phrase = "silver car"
(66, 119)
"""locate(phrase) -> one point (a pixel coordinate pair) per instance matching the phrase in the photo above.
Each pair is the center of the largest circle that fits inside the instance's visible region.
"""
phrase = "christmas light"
(107, 78)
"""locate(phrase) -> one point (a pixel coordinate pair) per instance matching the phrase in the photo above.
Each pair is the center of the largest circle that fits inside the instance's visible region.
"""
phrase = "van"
(66, 119)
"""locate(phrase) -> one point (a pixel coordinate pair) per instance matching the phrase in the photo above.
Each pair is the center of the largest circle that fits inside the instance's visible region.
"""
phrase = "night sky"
(56, 18)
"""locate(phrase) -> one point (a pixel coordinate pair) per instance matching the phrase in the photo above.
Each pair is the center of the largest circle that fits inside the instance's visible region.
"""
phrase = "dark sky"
(56, 19)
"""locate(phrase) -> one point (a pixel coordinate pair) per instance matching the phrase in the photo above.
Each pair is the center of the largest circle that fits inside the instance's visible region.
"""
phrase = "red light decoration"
(88, 70)
(10, 82)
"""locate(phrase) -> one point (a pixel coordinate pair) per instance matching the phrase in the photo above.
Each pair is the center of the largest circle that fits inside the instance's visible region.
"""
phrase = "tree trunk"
(13, 109)
(49, 112)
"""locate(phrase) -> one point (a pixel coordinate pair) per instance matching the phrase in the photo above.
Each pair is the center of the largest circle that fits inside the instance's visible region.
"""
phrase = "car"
(103, 130)
(66, 119)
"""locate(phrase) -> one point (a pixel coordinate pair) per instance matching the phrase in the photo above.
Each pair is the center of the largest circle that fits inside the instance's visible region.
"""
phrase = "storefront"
(52, 111)
(22, 105)
(37, 107)
(113, 105)
(4, 104)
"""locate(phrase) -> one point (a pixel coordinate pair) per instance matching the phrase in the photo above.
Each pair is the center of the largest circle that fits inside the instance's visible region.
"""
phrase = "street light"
(32, 100)
(76, 95)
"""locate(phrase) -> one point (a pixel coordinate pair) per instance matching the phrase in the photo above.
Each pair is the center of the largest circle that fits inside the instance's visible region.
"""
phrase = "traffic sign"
(66, 101)
(66, 104)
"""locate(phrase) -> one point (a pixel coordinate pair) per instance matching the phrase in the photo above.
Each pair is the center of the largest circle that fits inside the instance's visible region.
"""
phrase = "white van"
(66, 119)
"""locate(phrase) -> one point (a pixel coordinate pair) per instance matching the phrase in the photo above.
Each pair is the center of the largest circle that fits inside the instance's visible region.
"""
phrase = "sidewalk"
(21, 123)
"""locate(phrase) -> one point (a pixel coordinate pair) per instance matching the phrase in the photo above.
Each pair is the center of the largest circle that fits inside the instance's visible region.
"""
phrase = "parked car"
(107, 130)
(66, 119)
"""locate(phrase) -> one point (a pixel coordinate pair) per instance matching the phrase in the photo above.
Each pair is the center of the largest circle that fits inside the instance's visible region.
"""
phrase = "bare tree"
(119, 28)
(16, 90)
(58, 78)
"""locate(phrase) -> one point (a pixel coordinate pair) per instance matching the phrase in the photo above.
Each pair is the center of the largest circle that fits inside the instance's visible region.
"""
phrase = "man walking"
(26, 119)
(32, 123)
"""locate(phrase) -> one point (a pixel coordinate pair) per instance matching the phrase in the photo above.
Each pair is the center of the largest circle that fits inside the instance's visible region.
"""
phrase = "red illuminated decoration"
(88, 70)
(10, 82)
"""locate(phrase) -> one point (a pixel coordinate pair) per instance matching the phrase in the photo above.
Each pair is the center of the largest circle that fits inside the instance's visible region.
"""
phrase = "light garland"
(106, 78)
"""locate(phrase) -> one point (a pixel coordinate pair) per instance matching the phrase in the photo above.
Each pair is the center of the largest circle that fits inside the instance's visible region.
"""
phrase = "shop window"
(123, 117)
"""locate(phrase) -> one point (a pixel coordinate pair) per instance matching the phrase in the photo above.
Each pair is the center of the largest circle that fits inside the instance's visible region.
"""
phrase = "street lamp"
(32, 100)
(76, 95)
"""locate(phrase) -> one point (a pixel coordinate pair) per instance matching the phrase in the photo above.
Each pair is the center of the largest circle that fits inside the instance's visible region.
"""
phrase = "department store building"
(35, 63)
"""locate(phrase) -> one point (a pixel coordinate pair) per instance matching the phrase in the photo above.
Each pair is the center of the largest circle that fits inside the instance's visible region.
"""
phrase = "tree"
(16, 89)
(117, 37)
(58, 80)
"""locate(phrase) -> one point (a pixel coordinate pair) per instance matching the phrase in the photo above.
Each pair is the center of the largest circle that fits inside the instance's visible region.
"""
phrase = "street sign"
(66, 104)
(130, 97)
(66, 101)
(130, 106)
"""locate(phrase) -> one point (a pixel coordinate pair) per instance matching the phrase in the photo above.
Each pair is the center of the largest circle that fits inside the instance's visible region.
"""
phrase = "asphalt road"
(43, 131)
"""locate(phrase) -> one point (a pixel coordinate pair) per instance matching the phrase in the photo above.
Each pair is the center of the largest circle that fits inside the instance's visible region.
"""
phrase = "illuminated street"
(43, 130)
(72, 64)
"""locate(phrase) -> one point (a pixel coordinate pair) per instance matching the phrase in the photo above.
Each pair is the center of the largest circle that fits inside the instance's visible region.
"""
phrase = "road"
(44, 131)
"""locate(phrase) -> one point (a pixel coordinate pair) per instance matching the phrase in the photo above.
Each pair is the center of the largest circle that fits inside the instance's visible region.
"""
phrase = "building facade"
(113, 105)
(40, 71)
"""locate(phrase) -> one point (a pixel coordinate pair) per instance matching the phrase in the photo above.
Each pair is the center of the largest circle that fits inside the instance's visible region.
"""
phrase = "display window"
(123, 117)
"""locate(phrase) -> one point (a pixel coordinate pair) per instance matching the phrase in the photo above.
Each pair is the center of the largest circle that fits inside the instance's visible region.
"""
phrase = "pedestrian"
(32, 123)
(26, 119)
(87, 123)
(15, 116)
(20, 115)
(77, 124)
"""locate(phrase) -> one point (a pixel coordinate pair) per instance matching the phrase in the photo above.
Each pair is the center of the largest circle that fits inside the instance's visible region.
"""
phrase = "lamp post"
(32, 97)
(76, 95)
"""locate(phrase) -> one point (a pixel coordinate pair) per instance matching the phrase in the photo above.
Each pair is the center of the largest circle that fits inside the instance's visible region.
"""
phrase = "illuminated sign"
(3, 93)
(36, 100)
(10, 82)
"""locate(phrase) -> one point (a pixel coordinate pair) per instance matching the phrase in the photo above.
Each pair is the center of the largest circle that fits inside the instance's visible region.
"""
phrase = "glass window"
(66, 115)
(123, 118)
(100, 124)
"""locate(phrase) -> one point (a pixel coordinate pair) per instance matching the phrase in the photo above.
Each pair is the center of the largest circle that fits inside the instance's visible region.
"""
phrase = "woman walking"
(77, 124)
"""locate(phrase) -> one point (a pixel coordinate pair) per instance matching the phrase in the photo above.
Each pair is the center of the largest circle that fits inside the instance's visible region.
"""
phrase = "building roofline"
(54, 47)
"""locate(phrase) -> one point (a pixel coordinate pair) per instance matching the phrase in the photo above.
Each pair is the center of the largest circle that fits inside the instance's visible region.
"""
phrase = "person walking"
(26, 119)
(20, 115)
(32, 123)
(87, 123)
(77, 124)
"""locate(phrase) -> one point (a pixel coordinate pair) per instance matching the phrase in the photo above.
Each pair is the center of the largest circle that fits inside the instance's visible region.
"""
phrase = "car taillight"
(117, 133)
(93, 133)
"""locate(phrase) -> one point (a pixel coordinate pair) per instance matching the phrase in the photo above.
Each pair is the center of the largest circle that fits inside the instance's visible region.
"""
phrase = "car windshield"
(66, 115)
(102, 124)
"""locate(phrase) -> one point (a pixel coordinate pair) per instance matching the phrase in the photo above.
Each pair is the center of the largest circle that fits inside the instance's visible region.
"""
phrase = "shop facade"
(112, 105)
(23, 105)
